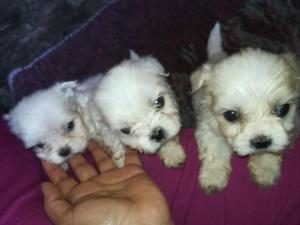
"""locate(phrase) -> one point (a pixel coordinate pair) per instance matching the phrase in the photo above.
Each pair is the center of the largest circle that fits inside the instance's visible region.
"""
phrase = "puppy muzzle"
(158, 134)
(261, 142)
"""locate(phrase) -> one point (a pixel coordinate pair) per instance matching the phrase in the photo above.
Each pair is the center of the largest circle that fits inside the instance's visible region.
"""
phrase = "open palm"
(108, 195)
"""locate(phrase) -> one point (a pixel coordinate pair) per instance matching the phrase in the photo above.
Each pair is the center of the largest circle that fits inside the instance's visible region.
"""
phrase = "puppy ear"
(153, 66)
(150, 63)
(6, 117)
(294, 63)
(67, 88)
(199, 77)
(133, 55)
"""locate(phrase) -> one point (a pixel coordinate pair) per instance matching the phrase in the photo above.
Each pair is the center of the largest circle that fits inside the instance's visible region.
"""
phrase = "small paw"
(119, 161)
(265, 171)
(265, 177)
(119, 158)
(172, 155)
(213, 180)
(65, 166)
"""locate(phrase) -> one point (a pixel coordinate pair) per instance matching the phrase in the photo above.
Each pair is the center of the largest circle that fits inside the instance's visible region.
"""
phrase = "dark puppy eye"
(69, 126)
(231, 115)
(159, 102)
(126, 130)
(282, 110)
(39, 145)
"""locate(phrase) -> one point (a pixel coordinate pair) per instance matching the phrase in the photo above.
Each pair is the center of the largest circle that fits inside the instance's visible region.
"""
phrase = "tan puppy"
(245, 103)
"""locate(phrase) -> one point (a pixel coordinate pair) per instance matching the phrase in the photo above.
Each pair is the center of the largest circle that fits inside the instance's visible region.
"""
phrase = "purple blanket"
(159, 28)
(241, 203)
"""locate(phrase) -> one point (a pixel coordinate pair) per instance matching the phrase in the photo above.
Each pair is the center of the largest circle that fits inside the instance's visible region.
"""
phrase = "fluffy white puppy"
(245, 103)
(140, 110)
(48, 122)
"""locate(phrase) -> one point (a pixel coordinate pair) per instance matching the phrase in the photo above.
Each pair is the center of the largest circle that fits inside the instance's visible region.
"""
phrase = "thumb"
(56, 206)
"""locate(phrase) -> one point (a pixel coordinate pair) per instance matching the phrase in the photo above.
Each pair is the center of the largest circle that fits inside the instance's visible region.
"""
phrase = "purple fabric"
(154, 27)
(20, 175)
(241, 203)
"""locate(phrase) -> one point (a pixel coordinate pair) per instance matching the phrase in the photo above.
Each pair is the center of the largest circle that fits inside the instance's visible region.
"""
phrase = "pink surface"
(241, 203)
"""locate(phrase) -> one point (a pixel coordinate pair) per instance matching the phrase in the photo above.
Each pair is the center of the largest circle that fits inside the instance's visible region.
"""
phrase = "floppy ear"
(6, 117)
(199, 77)
(149, 63)
(154, 66)
(293, 61)
(66, 88)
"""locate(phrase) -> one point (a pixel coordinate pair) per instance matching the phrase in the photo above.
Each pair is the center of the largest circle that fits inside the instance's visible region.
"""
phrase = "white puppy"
(245, 103)
(140, 110)
(48, 122)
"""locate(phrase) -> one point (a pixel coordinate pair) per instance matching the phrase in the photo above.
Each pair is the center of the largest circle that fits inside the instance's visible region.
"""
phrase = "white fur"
(252, 82)
(126, 98)
(100, 108)
(43, 116)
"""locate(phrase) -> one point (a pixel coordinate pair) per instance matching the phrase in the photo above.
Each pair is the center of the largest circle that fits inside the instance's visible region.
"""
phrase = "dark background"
(29, 27)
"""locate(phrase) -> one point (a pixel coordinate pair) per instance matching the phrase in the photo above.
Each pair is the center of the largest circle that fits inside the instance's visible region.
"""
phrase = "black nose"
(157, 134)
(261, 142)
(64, 151)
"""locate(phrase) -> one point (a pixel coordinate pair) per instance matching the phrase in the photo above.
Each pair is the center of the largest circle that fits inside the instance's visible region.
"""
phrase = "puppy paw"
(172, 154)
(64, 165)
(214, 179)
(119, 161)
(265, 169)
(119, 158)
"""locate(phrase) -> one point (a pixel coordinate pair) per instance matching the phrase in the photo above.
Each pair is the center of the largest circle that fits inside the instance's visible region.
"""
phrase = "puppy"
(140, 110)
(245, 103)
(48, 122)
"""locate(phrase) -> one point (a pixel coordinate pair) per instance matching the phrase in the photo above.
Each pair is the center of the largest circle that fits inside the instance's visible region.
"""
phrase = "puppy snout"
(261, 142)
(65, 151)
(157, 134)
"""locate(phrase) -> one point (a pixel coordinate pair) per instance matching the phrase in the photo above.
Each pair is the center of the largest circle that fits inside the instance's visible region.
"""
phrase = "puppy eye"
(126, 130)
(69, 126)
(231, 115)
(282, 110)
(159, 102)
(39, 145)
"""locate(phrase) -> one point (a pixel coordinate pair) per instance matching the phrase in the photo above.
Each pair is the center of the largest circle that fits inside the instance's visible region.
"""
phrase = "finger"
(56, 207)
(132, 158)
(102, 159)
(120, 175)
(59, 177)
(82, 169)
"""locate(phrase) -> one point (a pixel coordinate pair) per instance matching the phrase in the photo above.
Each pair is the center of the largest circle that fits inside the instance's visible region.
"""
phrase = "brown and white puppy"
(245, 103)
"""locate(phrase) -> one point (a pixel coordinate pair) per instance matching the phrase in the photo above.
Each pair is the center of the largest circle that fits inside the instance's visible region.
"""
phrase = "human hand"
(116, 196)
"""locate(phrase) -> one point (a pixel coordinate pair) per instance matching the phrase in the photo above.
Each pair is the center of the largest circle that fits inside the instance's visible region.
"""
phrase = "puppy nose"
(261, 142)
(157, 134)
(64, 151)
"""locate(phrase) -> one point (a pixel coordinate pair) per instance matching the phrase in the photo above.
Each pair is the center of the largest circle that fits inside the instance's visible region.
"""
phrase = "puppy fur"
(140, 110)
(245, 103)
(47, 121)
